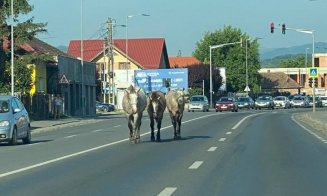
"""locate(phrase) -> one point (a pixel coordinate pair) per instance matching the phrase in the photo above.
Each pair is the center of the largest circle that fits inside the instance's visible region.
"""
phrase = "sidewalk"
(41, 124)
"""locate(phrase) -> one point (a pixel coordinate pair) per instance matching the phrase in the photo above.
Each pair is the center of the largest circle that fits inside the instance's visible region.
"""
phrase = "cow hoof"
(153, 139)
(177, 137)
(158, 140)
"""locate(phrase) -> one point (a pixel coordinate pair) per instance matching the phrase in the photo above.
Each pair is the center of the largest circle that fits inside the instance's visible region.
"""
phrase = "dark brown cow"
(156, 108)
(175, 105)
(134, 103)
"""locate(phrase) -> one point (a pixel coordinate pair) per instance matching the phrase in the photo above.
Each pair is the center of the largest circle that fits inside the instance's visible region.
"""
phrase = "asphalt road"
(246, 153)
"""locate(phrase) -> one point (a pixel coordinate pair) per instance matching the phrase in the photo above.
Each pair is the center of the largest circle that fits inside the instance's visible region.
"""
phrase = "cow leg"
(152, 128)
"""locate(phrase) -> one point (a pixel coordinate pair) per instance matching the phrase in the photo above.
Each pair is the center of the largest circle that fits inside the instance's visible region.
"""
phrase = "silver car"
(14, 121)
(198, 102)
(324, 101)
(300, 101)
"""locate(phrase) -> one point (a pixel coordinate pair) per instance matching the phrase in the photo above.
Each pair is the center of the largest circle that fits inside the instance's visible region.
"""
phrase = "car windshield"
(197, 99)
(280, 98)
(226, 99)
(264, 98)
(298, 98)
(244, 99)
(323, 98)
(4, 106)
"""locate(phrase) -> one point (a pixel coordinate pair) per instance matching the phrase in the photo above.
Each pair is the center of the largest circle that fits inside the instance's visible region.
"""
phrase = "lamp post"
(12, 47)
(247, 88)
(210, 49)
(82, 59)
(126, 42)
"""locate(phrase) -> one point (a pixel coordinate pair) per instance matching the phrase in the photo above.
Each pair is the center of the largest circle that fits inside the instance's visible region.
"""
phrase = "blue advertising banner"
(157, 79)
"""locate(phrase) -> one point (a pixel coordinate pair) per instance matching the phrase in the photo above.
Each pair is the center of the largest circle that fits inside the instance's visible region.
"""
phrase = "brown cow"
(156, 108)
(175, 105)
(134, 103)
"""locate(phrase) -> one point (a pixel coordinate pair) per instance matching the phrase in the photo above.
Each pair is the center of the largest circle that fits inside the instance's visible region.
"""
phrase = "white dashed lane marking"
(117, 126)
(98, 130)
(212, 149)
(222, 139)
(70, 136)
(196, 165)
(228, 133)
(167, 191)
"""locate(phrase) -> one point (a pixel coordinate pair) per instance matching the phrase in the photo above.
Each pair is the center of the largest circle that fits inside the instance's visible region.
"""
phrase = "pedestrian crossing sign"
(313, 72)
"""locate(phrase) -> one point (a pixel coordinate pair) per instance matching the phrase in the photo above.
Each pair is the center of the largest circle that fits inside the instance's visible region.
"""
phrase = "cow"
(156, 108)
(134, 103)
(175, 104)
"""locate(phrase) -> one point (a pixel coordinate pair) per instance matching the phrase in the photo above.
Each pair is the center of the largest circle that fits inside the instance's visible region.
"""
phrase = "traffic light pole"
(307, 31)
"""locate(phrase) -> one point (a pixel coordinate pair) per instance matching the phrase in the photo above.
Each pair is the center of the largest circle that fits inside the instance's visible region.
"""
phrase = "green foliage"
(24, 31)
(298, 61)
(233, 57)
(279, 61)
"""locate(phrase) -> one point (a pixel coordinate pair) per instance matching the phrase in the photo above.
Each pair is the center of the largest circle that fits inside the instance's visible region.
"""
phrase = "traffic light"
(283, 28)
(315, 82)
(272, 27)
(310, 82)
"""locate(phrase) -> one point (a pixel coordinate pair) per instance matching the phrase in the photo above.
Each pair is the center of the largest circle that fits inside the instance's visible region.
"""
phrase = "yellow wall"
(39, 78)
(118, 58)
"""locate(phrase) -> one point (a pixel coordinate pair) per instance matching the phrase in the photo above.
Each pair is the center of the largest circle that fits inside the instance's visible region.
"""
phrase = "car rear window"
(197, 99)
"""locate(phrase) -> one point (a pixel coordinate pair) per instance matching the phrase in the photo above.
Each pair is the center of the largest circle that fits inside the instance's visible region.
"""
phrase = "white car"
(282, 102)
(324, 100)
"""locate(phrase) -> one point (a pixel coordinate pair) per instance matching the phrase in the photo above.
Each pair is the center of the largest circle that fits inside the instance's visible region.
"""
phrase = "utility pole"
(111, 62)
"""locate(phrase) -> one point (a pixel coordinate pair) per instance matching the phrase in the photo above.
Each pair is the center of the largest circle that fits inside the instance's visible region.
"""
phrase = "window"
(316, 63)
(122, 65)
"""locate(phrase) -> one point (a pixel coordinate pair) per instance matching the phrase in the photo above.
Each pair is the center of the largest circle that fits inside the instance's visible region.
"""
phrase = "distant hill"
(269, 53)
(63, 48)
(272, 57)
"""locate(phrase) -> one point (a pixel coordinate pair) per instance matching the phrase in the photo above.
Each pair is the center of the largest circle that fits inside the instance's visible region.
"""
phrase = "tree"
(232, 57)
(24, 31)
(297, 62)
(201, 72)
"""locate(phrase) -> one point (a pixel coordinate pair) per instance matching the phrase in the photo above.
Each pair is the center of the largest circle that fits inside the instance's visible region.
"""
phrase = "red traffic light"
(272, 27)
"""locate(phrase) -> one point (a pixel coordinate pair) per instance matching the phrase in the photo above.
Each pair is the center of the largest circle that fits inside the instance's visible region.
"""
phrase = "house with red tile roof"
(183, 61)
(145, 53)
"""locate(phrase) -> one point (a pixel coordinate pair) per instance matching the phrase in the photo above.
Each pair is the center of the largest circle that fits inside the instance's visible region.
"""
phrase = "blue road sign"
(313, 72)
(154, 79)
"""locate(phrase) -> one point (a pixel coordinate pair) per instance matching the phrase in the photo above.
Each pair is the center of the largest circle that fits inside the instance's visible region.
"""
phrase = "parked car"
(226, 104)
(318, 101)
(14, 121)
(324, 100)
(300, 101)
(282, 102)
(104, 107)
(245, 102)
(264, 102)
(198, 102)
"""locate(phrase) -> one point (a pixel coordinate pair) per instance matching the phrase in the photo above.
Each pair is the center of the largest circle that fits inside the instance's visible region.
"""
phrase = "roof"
(147, 51)
(278, 80)
(38, 46)
(183, 61)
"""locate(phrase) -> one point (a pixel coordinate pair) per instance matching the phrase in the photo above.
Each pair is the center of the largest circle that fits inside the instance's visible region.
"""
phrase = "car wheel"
(216, 110)
(13, 140)
(27, 139)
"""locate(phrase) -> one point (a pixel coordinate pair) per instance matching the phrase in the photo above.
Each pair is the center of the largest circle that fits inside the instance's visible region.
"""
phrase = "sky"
(182, 23)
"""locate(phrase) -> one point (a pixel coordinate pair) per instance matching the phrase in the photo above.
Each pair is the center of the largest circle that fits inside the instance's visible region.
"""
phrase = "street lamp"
(247, 88)
(210, 49)
(12, 48)
(82, 59)
(126, 42)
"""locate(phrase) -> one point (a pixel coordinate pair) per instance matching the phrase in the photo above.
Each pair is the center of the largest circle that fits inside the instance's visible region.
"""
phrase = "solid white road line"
(167, 191)
(70, 136)
(309, 131)
(212, 149)
(222, 139)
(196, 165)
(228, 133)
(83, 152)
(117, 126)
(243, 119)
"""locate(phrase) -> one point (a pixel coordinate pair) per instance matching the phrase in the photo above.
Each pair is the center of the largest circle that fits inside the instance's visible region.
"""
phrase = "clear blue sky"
(182, 22)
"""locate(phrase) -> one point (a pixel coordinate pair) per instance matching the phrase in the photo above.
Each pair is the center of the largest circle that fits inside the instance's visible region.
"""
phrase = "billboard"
(157, 79)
